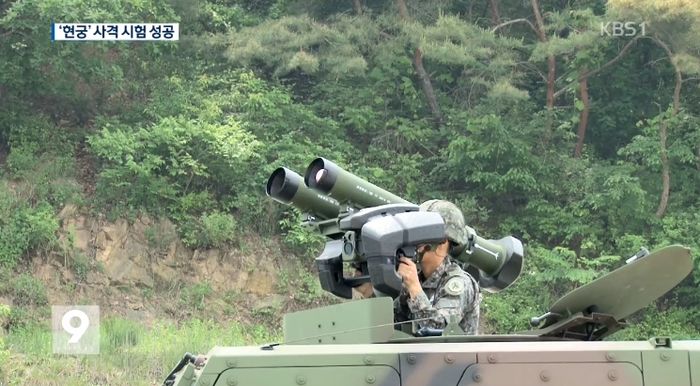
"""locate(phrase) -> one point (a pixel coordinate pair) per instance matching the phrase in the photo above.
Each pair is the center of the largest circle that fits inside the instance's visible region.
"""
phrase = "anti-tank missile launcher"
(373, 227)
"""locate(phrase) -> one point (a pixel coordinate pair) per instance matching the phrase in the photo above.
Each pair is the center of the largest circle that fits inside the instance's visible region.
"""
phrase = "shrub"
(23, 228)
(218, 228)
(28, 290)
(674, 322)
(13, 243)
(18, 318)
(81, 266)
(300, 238)
(40, 225)
(147, 167)
(208, 230)
(22, 159)
(160, 235)
(44, 171)
(195, 295)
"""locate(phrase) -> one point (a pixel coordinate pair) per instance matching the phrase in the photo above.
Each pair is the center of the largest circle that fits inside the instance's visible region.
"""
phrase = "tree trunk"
(357, 5)
(495, 13)
(583, 117)
(425, 82)
(663, 135)
(551, 78)
(539, 21)
(403, 10)
(665, 171)
(427, 86)
(551, 60)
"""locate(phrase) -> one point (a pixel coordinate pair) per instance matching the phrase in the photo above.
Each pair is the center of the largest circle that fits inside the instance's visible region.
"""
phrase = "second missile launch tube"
(328, 178)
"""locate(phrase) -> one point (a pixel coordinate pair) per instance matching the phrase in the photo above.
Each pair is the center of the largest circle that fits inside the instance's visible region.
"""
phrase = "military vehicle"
(358, 343)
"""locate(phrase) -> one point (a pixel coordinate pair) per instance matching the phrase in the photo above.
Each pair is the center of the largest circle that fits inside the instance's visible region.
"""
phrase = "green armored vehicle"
(358, 343)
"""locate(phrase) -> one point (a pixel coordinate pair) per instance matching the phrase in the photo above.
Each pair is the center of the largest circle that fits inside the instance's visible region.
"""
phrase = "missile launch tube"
(288, 187)
(328, 178)
(499, 262)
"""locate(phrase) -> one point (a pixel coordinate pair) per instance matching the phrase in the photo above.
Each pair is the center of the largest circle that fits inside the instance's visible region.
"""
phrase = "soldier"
(437, 288)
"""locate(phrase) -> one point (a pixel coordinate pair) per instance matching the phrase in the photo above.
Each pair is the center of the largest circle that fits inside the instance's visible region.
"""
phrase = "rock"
(112, 237)
(261, 282)
(82, 240)
(219, 280)
(67, 276)
(96, 278)
(126, 260)
(67, 212)
(138, 232)
(211, 256)
(274, 301)
(118, 231)
(239, 280)
(101, 240)
(164, 274)
(178, 253)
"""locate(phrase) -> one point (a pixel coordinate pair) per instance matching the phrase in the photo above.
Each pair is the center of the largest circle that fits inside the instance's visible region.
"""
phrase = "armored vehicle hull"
(524, 363)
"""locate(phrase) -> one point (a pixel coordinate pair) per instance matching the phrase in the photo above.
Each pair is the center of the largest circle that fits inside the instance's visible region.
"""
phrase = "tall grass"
(130, 353)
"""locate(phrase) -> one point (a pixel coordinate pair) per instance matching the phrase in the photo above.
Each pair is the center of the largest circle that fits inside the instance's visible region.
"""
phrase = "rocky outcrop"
(147, 253)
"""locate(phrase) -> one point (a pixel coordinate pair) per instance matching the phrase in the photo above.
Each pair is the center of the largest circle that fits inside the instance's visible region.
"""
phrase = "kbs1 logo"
(622, 29)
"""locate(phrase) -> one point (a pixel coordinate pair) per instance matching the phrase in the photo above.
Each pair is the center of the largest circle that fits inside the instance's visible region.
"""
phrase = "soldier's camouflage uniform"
(448, 291)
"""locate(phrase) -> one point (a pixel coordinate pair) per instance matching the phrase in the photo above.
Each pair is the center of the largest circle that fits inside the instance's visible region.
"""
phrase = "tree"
(425, 82)
(670, 21)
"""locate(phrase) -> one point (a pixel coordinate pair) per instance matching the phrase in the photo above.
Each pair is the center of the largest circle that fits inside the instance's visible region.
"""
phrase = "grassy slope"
(129, 353)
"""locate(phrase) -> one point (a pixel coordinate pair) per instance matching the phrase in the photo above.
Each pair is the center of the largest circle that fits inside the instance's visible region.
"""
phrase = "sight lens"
(320, 174)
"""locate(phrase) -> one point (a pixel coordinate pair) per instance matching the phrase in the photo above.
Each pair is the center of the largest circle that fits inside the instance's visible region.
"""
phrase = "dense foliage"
(528, 116)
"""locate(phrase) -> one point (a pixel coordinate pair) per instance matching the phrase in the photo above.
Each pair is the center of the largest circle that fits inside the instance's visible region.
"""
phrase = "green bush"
(159, 236)
(23, 228)
(44, 167)
(81, 266)
(40, 225)
(195, 295)
(218, 228)
(193, 203)
(213, 230)
(28, 290)
(22, 159)
(18, 318)
(301, 239)
(13, 244)
(674, 322)
(151, 167)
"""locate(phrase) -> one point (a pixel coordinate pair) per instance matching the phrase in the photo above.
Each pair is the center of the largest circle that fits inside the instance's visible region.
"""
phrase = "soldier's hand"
(364, 290)
(409, 273)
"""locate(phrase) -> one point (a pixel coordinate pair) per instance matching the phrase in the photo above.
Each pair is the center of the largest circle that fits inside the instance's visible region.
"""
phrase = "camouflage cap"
(455, 228)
